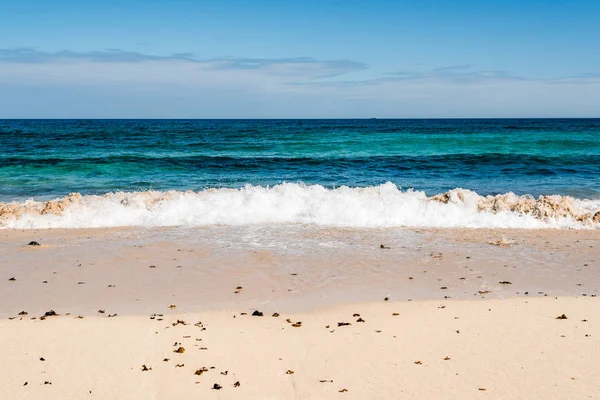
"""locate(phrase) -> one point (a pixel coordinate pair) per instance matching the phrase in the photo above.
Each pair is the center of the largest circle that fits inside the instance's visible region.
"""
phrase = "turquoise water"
(44, 159)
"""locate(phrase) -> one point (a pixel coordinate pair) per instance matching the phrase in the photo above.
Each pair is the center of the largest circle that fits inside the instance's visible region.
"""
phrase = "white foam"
(377, 206)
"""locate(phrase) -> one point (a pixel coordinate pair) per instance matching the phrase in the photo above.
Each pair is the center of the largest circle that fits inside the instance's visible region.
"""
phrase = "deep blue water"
(50, 158)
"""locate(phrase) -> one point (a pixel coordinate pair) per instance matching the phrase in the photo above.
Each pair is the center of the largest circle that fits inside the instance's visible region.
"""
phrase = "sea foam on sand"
(376, 206)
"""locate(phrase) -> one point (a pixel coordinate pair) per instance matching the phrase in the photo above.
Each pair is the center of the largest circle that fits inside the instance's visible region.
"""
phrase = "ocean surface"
(299, 171)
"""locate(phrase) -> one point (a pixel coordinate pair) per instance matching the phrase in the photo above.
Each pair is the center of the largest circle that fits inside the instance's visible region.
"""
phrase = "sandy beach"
(384, 313)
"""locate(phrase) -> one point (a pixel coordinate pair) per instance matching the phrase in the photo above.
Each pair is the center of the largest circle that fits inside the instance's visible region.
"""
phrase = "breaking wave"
(375, 206)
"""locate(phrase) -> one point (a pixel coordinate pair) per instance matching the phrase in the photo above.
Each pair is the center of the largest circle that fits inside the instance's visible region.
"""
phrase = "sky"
(299, 59)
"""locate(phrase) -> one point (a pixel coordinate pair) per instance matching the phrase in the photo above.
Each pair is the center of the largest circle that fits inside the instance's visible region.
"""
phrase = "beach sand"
(448, 314)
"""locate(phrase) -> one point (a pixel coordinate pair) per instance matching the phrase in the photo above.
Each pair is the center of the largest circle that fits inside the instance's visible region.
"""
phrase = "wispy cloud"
(30, 55)
(293, 67)
(122, 83)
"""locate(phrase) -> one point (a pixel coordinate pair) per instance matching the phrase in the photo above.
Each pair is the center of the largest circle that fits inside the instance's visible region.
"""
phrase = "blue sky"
(288, 59)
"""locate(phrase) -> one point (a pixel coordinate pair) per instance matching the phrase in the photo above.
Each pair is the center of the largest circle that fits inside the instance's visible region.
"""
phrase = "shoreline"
(470, 313)
(293, 268)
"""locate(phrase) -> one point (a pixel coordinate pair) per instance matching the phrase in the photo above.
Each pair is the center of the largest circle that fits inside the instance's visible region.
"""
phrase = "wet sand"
(476, 310)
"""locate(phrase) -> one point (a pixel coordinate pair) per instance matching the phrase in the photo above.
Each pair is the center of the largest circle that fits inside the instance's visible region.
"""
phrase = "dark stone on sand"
(344, 323)
(360, 320)
(562, 317)
(12, 279)
(33, 243)
(216, 386)
(236, 384)
(257, 313)
(50, 313)
(23, 313)
(505, 283)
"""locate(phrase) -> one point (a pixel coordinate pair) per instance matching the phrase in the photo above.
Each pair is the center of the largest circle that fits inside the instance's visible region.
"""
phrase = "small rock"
(257, 313)
(33, 243)
(562, 317)
(216, 386)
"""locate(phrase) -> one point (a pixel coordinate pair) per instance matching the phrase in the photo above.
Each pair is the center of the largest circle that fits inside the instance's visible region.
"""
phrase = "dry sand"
(453, 338)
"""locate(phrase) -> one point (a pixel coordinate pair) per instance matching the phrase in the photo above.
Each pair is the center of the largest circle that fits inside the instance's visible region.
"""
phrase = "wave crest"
(375, 206)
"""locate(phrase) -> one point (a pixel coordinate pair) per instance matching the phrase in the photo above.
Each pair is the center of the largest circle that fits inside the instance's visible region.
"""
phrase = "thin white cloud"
(116, 83)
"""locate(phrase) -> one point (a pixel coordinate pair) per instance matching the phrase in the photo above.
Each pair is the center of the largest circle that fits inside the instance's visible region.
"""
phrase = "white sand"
(508, 342)
(514, 349)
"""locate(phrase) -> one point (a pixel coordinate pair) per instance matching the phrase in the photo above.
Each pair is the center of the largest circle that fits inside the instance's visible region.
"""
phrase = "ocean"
(357, 173)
